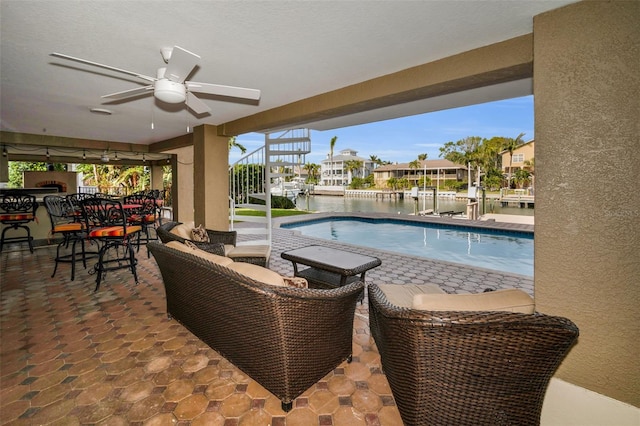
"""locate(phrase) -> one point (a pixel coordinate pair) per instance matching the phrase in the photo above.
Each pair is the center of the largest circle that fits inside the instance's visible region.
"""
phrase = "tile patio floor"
(72, 356)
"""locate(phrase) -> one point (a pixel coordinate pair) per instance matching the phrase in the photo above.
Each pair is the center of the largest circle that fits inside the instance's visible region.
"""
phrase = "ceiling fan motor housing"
(169, 91)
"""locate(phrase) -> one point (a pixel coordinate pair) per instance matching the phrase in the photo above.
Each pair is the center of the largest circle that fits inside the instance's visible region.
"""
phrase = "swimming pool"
(507, 251)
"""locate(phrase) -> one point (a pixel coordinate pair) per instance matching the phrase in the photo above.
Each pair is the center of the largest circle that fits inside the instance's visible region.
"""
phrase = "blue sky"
(402, 139)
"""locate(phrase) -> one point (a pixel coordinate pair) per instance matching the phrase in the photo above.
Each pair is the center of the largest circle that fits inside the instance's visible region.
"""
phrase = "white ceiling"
(290, 50)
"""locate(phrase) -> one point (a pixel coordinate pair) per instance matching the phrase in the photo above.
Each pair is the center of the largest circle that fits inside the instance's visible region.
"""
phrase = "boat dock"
(517, 198)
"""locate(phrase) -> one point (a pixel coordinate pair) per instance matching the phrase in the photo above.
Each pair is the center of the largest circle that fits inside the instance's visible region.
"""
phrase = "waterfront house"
(336, 170)
(441, 172)
(521, 159)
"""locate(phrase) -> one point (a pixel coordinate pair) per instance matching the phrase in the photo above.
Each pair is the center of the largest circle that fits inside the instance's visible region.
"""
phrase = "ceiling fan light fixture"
(166, 54)
(101, 111)
(169, 91)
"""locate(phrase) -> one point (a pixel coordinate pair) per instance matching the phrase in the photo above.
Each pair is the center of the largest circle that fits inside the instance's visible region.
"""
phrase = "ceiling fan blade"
(130, 93)
(196, 105)
(96, 64)
(218, 89)
(181, 64)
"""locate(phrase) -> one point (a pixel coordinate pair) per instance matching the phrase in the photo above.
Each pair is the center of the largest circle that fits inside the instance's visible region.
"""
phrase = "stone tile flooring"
(72, 356)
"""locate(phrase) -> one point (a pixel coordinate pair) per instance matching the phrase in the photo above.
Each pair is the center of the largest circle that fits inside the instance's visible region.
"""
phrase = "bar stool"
(74, 202)
(17, 209)
(145, 216)
(106, 223)
(64, 222)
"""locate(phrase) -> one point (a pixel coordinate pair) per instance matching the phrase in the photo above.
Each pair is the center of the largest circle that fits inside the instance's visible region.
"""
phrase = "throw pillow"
(190, 244)
(183, 230)
(510, 300)
(297, 282)
(200, 234)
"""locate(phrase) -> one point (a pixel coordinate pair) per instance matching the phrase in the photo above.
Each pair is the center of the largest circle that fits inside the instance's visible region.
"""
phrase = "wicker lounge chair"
(467, 368)
(218, 239)
(285, 338)
(222, 243)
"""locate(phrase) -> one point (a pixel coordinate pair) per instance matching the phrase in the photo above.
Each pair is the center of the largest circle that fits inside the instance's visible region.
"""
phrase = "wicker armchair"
(467, 368)
(222, 243)
(285, 338)
(218, 239)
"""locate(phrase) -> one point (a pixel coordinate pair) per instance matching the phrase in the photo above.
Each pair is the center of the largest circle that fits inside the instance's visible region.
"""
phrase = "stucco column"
(4, 168)
(587, 230)
(156, 176)
(211, 178)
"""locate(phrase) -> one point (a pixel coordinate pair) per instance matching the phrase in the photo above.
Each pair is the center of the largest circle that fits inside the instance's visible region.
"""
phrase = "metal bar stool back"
(146, 216)
(64, 222)
(106, 223)
(17, 209)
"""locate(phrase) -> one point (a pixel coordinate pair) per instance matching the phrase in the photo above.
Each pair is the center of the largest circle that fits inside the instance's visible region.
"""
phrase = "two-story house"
(336, 170)
(439, 171)
(521, 159)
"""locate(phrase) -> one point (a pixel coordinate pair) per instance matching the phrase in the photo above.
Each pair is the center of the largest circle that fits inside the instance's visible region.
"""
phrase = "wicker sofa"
(467, 367)
(285, 338)
(222, 243)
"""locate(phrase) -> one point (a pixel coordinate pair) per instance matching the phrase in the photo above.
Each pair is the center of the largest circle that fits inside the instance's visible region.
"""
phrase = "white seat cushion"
(402, 294)
(249, 251)
(220, 260)
(510, 300)
(257, 273)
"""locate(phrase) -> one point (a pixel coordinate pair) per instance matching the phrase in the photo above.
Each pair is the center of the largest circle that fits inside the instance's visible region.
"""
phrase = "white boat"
(286, 189)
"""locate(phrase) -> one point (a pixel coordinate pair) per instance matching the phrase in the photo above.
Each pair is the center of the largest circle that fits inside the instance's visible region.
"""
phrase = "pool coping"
(448, 221)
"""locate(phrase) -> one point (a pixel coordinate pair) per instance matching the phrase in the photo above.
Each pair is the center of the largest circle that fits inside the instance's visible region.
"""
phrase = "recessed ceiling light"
(102, 111)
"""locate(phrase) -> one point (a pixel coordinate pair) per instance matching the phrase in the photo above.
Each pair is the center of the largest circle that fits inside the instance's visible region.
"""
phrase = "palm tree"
(353, 166)
(233, 143)
(511, 145)
(392, 182)
(521, 176)
(415, 165)
(332, 144)
(133, 179)
(312, 170)
(531, 166)
(375, 160)
(422, 157)
(466, 152)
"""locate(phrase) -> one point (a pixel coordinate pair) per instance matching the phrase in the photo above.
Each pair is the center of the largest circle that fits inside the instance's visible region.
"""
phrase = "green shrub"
(277, 202)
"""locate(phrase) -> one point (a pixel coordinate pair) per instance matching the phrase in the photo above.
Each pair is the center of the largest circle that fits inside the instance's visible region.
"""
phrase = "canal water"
(329, 203)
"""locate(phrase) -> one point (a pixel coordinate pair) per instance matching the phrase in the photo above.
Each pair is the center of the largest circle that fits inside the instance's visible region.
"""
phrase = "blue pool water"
(500, 250)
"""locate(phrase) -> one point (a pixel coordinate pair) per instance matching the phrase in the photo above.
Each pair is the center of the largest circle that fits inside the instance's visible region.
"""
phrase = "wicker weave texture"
(285, 338)
(467, 368)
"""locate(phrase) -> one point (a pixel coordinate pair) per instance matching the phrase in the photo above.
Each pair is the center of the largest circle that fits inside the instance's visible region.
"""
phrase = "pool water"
(500, 250)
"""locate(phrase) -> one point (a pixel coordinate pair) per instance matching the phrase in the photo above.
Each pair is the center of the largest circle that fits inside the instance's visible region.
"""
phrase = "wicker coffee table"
(329, 267)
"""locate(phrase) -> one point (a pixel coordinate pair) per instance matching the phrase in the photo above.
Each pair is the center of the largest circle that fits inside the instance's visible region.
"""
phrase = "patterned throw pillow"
(190, 245)
(298, 282)
(200, 234)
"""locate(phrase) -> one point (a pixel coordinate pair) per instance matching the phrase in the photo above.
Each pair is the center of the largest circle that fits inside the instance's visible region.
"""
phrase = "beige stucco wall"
(211, 185)
(184, 170)
(587, 247)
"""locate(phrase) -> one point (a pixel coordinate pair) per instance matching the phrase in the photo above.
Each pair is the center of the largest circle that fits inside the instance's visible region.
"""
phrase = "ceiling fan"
(170, 84)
